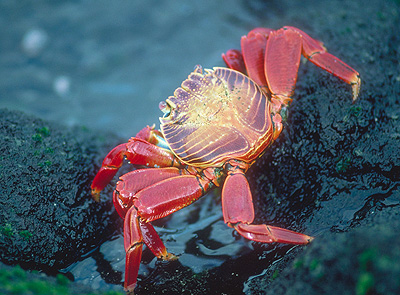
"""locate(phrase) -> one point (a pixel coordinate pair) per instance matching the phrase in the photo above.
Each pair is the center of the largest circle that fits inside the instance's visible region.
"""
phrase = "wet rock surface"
(334, 173)
(363, 260)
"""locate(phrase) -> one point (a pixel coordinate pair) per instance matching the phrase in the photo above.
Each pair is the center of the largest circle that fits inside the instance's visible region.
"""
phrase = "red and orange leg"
(165, 191)
(281, 64)
(315, 52)
(272, 58)
(137, 233)
(234, 60)
(253, 48)
(131, 183)
(148, 148)
(250, 61)
(238, 212)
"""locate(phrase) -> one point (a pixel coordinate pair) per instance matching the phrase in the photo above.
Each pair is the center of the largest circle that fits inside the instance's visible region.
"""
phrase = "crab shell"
(215, 116)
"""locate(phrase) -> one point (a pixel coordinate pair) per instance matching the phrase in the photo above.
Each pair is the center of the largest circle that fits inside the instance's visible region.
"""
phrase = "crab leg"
(251, 62)
(282, 60)
(253, 47)
(238, 211)
(166, 194)
(139, 152)
(137, 232)
(234, 60)
(170, 195)
(133, 242)
(282, 50)
(315, 52)
(131, 183)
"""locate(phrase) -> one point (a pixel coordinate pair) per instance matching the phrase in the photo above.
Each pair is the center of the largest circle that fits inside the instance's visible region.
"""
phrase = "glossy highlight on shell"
(215, 116)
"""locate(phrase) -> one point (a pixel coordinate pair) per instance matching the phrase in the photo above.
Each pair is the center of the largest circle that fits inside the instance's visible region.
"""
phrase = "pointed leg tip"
(310, 239)
(96, 194)
(130, 289)
(356, 88)
(170, 257)
(167, 256)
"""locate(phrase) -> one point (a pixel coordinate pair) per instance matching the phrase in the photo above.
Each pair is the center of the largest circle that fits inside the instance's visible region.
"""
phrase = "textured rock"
(47, 217)
(364, 260)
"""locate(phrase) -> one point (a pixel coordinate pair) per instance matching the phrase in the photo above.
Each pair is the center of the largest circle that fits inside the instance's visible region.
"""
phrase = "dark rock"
(364, 260)
(47, 217)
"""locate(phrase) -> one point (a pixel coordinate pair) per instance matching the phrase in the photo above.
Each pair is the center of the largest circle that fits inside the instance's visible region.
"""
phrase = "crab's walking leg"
(282, 60)
(315, 52)
(169, 194)
(131, 183)
(251, 61)
(253, 47)
(234, 60)
(238, 211)
(137, 232)
(138, 151)
(133, 242)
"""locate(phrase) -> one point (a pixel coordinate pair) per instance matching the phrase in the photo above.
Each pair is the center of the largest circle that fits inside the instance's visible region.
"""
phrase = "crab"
(212, 130)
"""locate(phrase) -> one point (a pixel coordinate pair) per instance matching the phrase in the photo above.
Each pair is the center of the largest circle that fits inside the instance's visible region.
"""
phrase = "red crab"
(213, 129)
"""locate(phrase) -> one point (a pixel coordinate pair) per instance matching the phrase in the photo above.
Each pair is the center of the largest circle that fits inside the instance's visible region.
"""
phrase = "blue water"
(106, 65)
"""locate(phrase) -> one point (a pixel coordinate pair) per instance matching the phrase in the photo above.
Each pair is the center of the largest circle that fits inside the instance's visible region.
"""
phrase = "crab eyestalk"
(165, 108)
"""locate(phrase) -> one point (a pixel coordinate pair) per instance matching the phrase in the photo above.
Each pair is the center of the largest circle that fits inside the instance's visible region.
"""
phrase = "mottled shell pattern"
(215, 116)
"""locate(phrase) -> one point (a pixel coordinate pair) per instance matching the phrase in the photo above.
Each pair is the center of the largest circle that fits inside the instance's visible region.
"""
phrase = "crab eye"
(165, 108)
